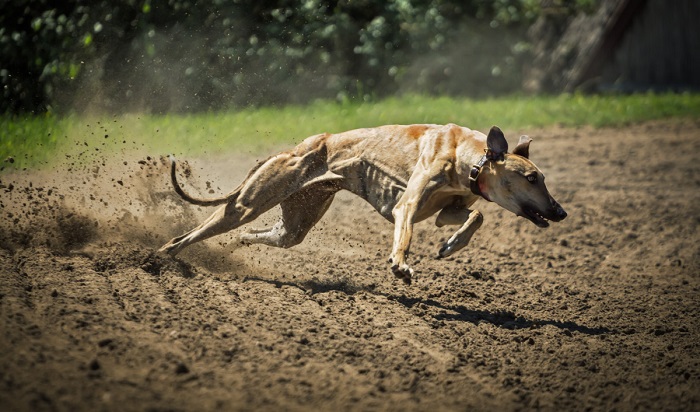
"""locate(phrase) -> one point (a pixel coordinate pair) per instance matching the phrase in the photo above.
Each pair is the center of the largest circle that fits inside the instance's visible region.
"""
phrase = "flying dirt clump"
(37, 216)
(96, 200)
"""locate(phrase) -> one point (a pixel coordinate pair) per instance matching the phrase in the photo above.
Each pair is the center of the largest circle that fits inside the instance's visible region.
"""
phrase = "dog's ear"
(523, 147)
(496, 143)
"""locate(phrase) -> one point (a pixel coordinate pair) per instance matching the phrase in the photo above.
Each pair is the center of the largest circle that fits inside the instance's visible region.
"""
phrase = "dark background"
(187, 55)
(118, 56)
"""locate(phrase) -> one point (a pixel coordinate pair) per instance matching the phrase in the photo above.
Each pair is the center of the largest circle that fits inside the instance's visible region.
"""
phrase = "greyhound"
(406, 172)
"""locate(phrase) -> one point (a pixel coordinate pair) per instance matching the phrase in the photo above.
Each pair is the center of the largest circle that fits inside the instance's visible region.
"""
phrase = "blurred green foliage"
(189, 55)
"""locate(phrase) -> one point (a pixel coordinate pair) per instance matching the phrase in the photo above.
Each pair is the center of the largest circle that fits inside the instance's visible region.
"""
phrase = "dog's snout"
(558, 210)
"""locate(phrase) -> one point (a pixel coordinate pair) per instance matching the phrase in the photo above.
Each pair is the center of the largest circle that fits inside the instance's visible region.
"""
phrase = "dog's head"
(513, 182)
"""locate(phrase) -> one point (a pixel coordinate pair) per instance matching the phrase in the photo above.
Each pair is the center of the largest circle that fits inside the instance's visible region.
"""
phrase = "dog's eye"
(532, 178)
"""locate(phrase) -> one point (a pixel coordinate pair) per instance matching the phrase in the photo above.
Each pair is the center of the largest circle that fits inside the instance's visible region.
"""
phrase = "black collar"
(476, 171)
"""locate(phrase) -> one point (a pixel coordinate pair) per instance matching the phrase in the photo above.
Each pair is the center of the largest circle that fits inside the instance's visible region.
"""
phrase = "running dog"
(407, 173)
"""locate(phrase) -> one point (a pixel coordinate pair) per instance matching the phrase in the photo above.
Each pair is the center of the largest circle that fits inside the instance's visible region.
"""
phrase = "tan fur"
(407, 173)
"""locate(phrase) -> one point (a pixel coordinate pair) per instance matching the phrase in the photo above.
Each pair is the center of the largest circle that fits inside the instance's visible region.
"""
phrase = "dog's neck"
(476, 184)
(471, 161)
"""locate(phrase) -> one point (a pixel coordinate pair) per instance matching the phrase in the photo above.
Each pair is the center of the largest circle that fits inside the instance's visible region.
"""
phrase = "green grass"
(27, 140)
(33, 141)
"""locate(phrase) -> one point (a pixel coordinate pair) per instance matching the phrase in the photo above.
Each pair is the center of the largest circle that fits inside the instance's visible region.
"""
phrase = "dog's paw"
(445, 251)
(403, 272)
(168, 249)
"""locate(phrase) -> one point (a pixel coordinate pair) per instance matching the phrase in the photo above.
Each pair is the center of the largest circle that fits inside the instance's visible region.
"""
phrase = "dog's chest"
(378, 184)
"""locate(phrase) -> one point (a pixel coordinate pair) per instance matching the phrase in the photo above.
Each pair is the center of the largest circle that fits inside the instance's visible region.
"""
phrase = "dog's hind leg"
(227, 217)
(266, 186)
(300, 212)
(470, 220)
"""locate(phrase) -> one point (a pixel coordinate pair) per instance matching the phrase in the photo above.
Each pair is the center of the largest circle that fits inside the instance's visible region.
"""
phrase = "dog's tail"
(190, 199)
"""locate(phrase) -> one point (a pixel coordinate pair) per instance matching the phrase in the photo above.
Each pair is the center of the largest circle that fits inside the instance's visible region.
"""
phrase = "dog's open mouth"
(535, 217)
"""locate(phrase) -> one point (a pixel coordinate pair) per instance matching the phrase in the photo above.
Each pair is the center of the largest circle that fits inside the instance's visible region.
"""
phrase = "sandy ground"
(598, 312)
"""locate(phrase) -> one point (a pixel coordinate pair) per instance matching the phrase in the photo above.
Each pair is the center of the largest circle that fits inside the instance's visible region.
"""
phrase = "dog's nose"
(561, 213)
(558, 210)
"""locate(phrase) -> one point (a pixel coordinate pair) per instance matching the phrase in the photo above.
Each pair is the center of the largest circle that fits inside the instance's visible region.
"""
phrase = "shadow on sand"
(504, 319)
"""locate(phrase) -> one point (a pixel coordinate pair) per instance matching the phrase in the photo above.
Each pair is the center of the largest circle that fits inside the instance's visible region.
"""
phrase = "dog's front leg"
(403, 231)
(463, 235)
(420, 187)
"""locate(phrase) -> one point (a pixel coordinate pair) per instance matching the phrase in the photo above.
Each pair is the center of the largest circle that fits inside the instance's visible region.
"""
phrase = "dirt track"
(600, 311)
